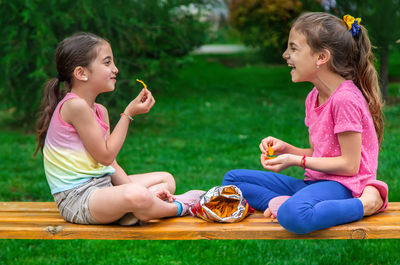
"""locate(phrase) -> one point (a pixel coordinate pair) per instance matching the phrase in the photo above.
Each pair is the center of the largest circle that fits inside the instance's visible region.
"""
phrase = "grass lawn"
(207, 120)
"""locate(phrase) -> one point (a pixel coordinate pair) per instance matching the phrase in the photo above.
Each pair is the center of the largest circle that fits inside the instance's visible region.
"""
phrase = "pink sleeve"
(308, 107)
(347, 114)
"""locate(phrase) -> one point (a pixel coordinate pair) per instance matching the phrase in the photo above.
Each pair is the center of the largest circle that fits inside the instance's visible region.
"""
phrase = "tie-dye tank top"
(67, 163)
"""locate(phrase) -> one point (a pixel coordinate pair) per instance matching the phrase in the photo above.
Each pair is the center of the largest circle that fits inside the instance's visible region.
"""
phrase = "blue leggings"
(313, 205)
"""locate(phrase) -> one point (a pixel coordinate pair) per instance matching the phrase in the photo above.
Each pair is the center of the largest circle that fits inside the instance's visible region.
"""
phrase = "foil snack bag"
(223, 204)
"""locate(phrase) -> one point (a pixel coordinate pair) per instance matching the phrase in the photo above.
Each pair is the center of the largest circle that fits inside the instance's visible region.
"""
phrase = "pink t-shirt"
(345, 110)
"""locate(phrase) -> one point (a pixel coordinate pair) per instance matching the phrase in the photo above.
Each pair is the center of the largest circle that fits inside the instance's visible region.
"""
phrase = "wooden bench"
(41, 220)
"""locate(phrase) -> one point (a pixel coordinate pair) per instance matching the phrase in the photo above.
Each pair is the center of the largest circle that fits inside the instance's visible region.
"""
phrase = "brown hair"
(78, 50)
(352, 57)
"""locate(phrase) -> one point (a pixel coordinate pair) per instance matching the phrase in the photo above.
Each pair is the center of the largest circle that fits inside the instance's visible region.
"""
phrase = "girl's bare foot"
(268, 214)
(371, 200)
(128, 219)
(275, 203)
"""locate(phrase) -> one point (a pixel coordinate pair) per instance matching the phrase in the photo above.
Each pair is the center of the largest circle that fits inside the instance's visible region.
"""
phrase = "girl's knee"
(230, 177)
(169, 180)
(138, 197)
(293, 217)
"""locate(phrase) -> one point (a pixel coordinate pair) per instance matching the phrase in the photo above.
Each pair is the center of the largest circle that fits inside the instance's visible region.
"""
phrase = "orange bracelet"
(303, 162)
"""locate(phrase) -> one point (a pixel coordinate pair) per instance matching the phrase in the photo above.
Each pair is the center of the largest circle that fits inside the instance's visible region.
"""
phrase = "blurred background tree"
(382, 19)
(264, 24)
(149, 39)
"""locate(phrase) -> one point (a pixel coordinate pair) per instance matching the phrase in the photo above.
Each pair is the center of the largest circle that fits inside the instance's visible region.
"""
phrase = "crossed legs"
(109, 204)
(313, 205)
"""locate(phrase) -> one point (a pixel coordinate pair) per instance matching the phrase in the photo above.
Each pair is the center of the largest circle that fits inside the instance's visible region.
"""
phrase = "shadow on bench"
(41, 220)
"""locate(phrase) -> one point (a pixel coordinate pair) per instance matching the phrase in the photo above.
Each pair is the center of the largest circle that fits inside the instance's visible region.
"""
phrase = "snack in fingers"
(270, 153)
(144, 85)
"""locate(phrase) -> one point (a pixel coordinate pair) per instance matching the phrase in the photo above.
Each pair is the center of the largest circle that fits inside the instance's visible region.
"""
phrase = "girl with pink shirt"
(344, 120)
(79, 149)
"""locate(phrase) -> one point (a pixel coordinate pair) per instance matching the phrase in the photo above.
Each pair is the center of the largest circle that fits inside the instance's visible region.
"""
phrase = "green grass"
(207, 120)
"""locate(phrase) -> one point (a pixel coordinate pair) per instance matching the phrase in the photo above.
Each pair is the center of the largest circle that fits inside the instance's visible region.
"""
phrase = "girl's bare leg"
(109, 204)
(155, 181)
(371, 200)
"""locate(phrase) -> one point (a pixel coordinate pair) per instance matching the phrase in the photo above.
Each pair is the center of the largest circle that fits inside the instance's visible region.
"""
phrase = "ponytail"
(366, 79)
(51, 96)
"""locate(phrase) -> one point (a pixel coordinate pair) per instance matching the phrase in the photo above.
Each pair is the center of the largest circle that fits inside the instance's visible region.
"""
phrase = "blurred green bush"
(149, 38)
(264, 24)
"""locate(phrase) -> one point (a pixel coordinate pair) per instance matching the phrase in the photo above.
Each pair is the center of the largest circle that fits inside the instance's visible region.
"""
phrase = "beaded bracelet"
(124, 114)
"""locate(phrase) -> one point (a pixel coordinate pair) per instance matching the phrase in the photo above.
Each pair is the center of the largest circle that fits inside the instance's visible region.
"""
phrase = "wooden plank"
(178, 231)
(28, 207)
(41, 220)
(256, 219)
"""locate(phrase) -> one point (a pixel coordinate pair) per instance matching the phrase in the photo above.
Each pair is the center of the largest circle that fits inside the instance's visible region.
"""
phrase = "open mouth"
(293, 68)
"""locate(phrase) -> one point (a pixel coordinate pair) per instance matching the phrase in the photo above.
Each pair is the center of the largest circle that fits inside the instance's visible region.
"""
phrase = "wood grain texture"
(41, 220)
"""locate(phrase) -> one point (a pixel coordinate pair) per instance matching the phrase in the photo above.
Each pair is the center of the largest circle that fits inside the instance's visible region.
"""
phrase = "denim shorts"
(73, 204)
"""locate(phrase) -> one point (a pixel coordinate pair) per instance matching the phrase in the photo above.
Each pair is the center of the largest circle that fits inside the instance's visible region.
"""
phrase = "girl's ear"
(323, 57)
(80, 73)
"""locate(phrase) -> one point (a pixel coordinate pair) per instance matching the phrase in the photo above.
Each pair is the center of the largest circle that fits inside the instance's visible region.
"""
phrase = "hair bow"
(353, 24)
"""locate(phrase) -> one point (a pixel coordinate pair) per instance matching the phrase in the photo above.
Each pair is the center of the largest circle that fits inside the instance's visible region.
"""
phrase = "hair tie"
(60, 79)
(353, 24)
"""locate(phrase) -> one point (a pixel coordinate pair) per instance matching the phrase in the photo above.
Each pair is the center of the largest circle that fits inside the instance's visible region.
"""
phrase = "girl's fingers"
(171, 197)
(165, 195)
(149, 98)
(274, 165)
(271, 162)
(262, 159)
(268, 141)
(273, 168)
(149, 102)
(143, 93)
(263, 150)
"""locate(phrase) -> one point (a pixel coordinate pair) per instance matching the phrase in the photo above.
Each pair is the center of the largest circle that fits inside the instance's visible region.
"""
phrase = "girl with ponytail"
(79, 149)
(344, 120)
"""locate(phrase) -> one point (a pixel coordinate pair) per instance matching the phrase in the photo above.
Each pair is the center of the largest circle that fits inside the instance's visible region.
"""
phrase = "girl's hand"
(281, 162)
(141, 104)
(279, 146)
(165, 195)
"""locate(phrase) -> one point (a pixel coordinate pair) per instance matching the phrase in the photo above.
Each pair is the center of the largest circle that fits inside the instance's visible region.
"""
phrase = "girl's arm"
(119, 177)
(347, 164)
(78, 113)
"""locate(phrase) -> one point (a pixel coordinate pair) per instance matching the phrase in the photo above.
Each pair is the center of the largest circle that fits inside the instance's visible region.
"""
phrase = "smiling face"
(300, 57)
(102, 71)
